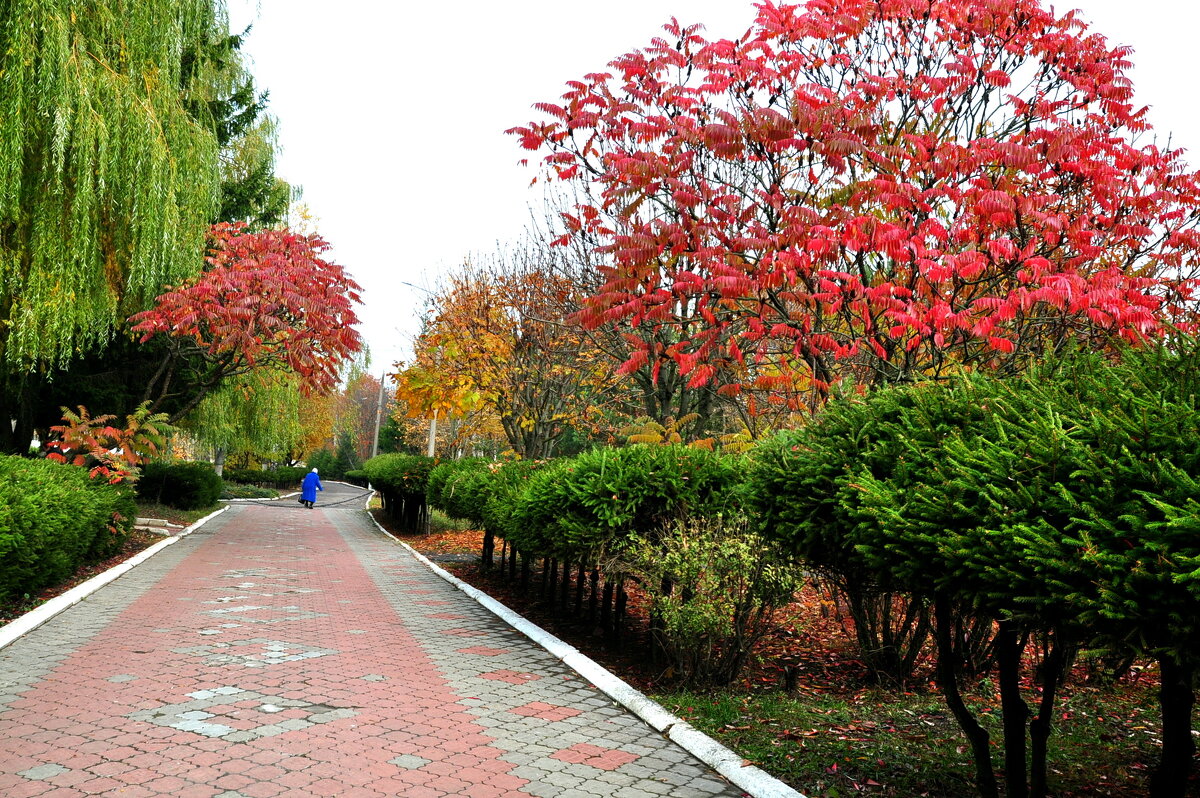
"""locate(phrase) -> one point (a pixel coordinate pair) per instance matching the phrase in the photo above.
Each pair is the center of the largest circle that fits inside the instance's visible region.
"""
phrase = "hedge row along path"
(306, 653)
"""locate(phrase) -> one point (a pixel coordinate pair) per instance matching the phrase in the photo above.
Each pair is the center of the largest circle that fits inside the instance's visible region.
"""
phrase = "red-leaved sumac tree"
(879, 189)
(266, 299)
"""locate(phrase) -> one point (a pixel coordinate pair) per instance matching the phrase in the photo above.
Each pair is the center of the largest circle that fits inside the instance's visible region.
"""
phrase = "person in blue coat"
(308, 490)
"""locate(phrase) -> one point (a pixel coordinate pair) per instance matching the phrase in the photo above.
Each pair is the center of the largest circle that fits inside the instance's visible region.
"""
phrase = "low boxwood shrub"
(358, 477)
(246, 476)
(53, 519)
(235, 491)
(186, 485)
(286, 477)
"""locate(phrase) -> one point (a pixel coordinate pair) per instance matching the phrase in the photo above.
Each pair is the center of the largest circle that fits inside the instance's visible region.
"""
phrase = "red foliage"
(266, 299)
(879, 188)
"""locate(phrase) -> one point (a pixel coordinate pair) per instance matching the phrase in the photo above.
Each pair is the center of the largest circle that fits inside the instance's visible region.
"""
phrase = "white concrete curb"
(39, 615)
(754, 781)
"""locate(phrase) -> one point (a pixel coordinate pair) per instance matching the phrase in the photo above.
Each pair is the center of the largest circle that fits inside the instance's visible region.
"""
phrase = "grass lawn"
(885, 743)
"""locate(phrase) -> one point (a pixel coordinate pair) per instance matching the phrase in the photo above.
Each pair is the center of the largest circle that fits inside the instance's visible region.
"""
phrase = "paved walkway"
(285, 651)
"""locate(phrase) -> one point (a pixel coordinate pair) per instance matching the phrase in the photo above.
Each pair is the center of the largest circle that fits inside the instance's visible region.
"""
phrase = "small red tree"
(880, 188)
(267, 299)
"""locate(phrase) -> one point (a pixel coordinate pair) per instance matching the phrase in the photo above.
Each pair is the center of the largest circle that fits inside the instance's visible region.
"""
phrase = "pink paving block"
(462, 632)
(549, 712)
(484, 651)
(595, 756)
(512, 677)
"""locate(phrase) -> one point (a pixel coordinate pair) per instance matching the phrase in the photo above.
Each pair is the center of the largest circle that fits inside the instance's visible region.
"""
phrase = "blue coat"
(312, 484)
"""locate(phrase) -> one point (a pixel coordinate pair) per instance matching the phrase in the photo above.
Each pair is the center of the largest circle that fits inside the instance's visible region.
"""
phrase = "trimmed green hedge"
(596, 501)
(401, 480)
(285, 477)
(53, 519)
(188, 486)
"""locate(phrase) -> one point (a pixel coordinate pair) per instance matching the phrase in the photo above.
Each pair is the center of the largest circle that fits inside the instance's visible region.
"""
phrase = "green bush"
(186, 485)
(500, 493)
(246, 476)
(248, 492)
(326, 463)
(444, 488)
(401, 480)
(714, 585)
(282, 478)
(597, 500)
(358, 477)
(54, 518)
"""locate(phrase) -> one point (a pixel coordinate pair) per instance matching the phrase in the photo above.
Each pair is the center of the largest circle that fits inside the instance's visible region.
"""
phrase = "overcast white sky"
(392, 114)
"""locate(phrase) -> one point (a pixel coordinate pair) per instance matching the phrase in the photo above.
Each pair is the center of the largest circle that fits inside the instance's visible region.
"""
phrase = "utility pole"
(432, 433)
(378, 416)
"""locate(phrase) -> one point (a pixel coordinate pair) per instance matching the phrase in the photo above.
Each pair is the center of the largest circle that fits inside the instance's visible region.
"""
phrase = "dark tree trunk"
(564, 596)
(619, 615)
(1010, 644)
(580, 581)
(1054, 669)
(593, 598)
(1177, 697)
(606, 602)
(489, 549)
(947, 677)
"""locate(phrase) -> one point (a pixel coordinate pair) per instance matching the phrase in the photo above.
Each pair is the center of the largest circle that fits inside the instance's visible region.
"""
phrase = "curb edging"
(756, 782)
(19, 627)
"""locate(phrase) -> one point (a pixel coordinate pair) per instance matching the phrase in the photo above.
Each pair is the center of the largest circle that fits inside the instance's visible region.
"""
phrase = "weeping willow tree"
(113, 118)
(259, 415)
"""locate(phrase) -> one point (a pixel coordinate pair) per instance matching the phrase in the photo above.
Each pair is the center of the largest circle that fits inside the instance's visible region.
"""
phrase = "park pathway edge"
(19, 627)
(755, 781)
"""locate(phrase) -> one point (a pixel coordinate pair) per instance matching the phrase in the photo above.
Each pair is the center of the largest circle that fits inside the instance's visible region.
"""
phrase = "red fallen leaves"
(266, 299)
(812, 202)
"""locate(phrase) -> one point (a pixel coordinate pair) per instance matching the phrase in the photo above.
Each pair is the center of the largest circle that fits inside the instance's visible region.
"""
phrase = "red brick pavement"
(287, 652)
(78, 717)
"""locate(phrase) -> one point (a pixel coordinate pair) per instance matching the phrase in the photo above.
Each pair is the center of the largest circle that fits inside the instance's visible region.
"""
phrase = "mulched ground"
(809, 633)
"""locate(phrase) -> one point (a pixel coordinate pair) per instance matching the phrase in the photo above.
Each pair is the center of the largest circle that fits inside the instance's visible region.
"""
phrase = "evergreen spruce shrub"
(498, 492)
(466, 493)
(358, 478)
(185, 485)
(442, 490)
(53, 519)
(595, 502)
(527, 512)
(803, 489)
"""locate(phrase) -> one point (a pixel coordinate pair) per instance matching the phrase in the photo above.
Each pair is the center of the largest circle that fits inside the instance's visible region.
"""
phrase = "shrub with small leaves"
(188, 486)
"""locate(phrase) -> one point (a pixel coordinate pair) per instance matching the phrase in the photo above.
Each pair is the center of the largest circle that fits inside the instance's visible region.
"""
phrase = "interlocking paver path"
(284, 651)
